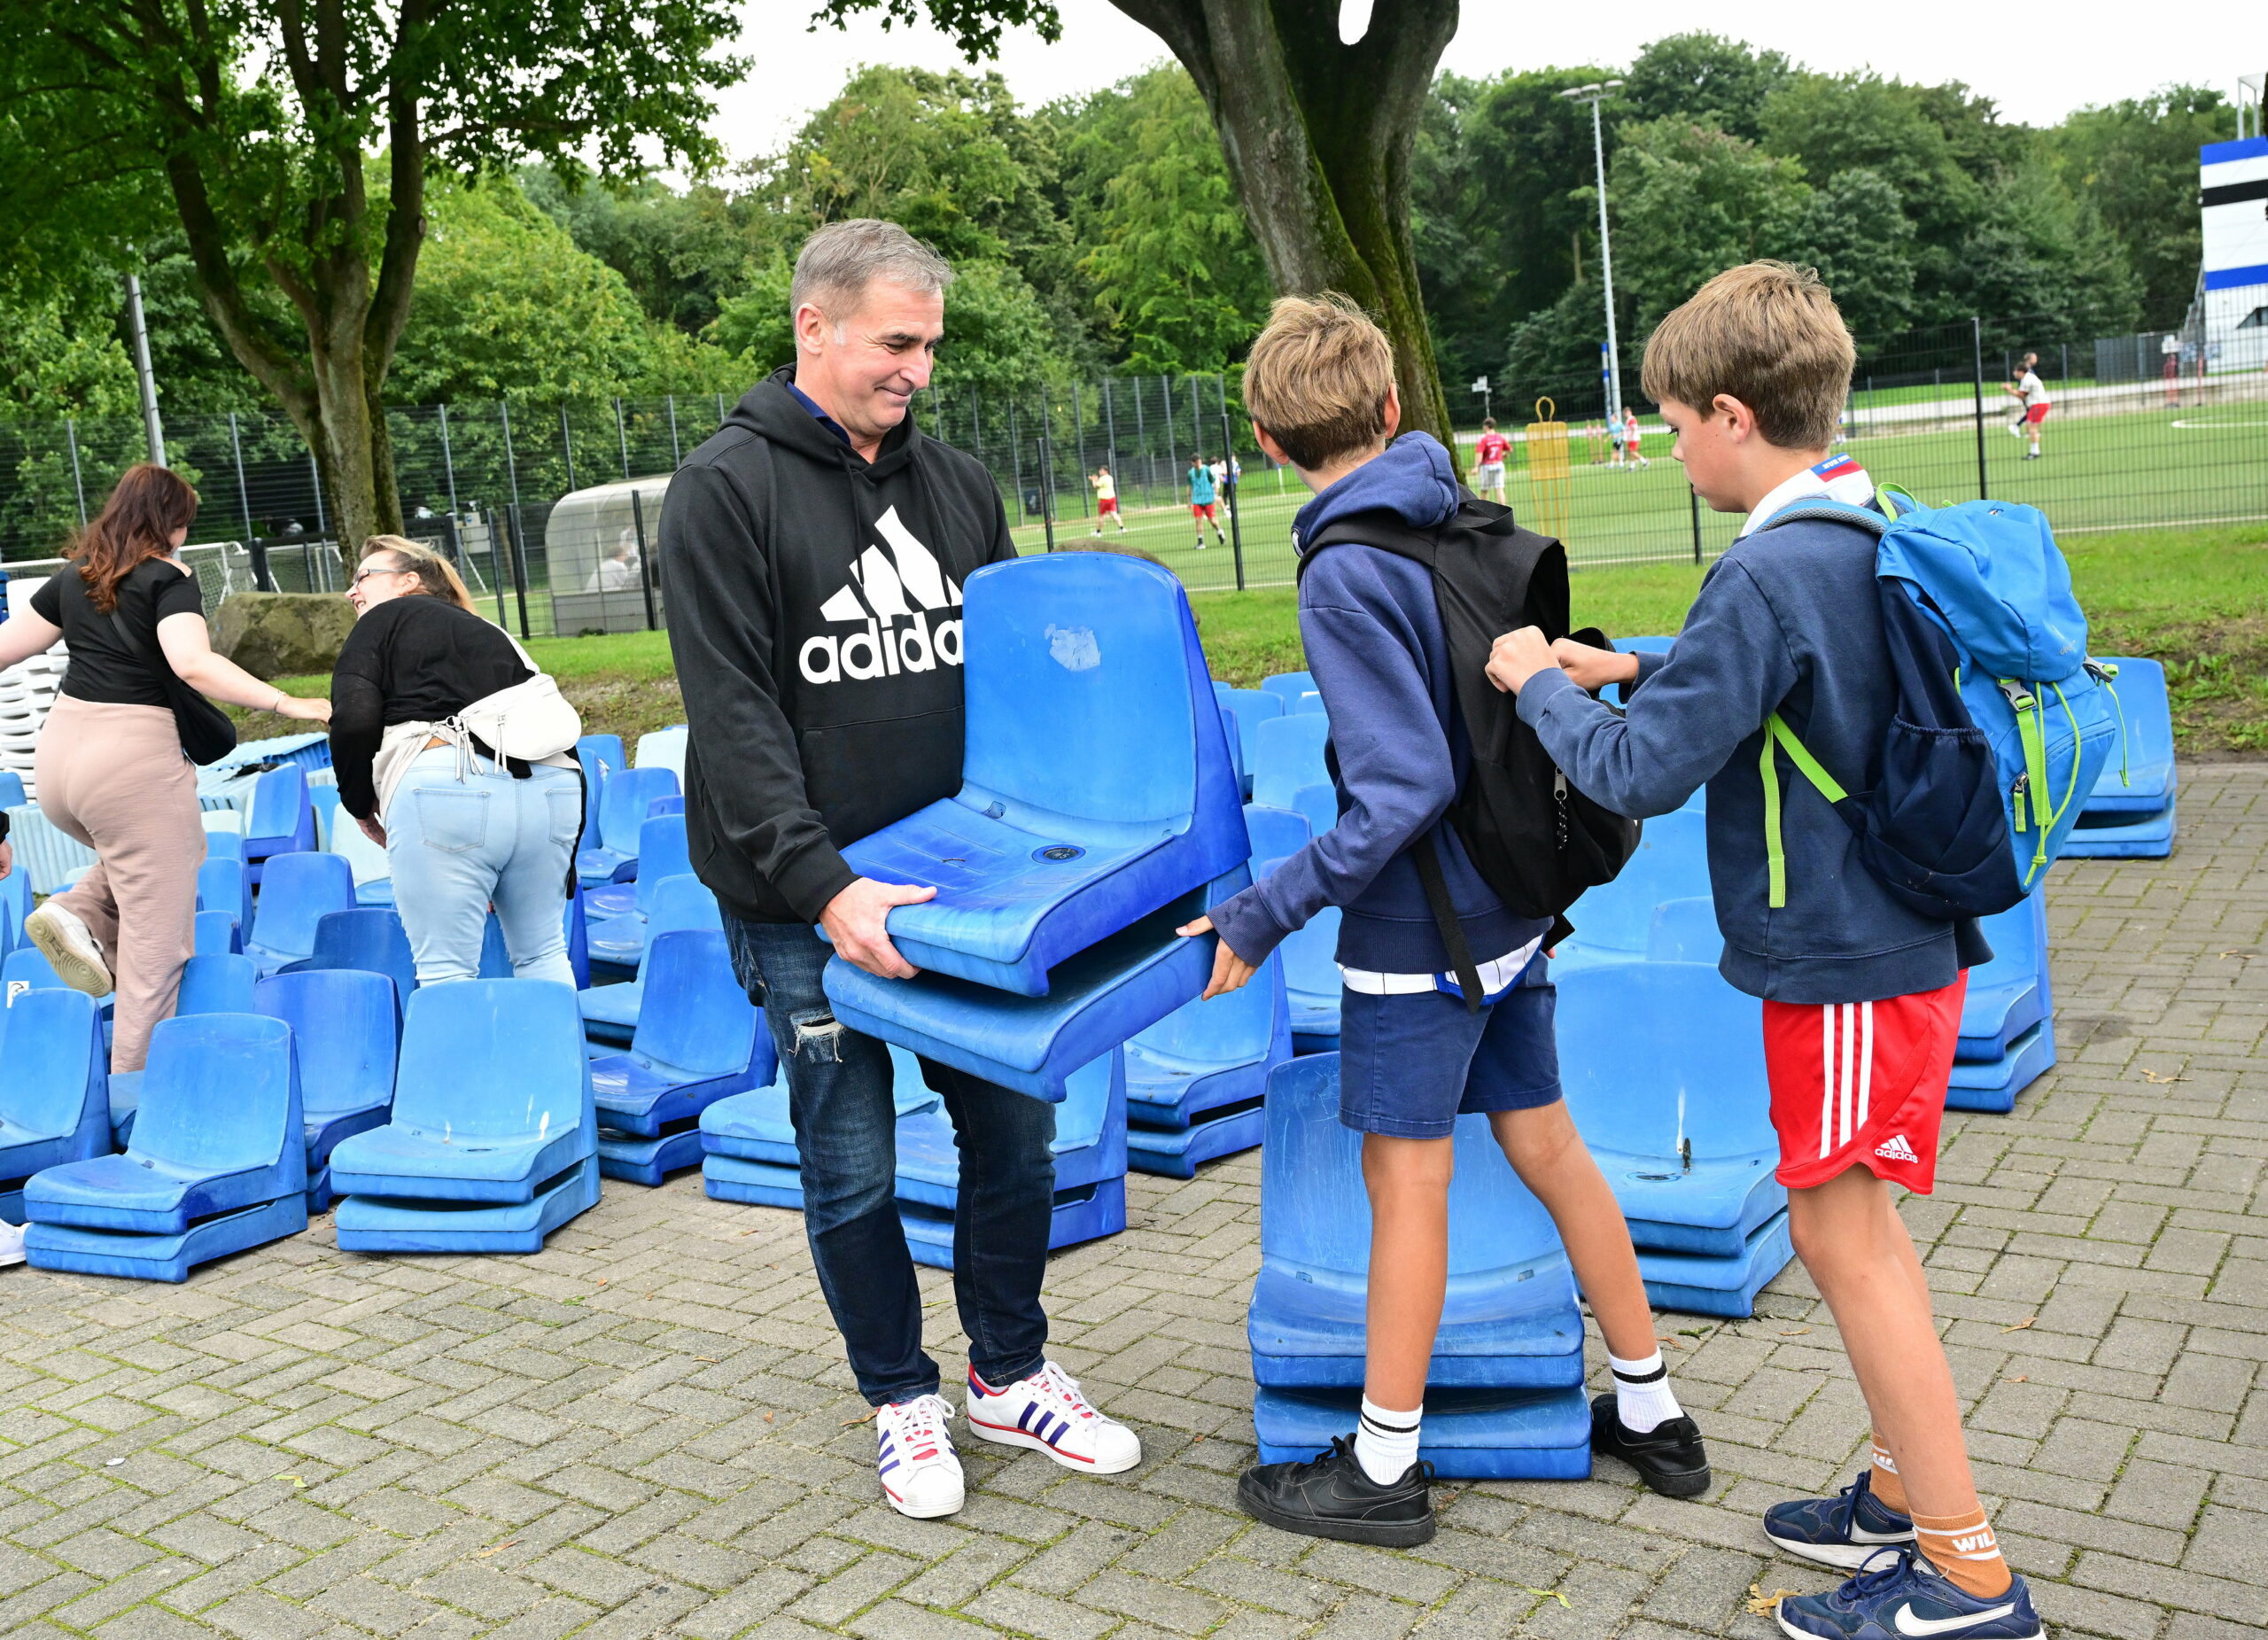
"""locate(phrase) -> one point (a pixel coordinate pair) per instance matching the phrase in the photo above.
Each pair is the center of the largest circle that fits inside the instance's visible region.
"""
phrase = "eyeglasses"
(363, 575)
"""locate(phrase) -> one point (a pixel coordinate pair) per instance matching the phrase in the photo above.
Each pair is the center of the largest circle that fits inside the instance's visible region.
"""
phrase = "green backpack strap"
(1776, 735)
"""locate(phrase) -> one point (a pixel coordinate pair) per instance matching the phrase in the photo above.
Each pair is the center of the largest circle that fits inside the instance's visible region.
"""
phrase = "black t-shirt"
(104, 666)
(414, 659)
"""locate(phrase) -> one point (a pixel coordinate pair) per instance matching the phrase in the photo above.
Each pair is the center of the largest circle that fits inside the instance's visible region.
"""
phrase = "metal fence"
(551, 511)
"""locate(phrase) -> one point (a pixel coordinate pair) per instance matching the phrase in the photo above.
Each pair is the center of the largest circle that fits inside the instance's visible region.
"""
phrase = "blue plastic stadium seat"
(1312, 985)
(450, 1224)
(492, 1101)
(663, 749)
(1252, 708)
(25, 968)
(299, 891)
(1096, 783)
(610, 1011)
(1993, 1085)
(1286, 754)
(1614, 921)
(2139, 778)
(163, 1257)
(665, 805)
(600, 756)
(373, 871)
(1090, 1144)
(2011, 993)
(696, 1043)
(1205, 1054)
(1685, 930)
(278, 819)
(224, 844)
(1655, 643)
(1095, 1000)
(12, 789)
(54, 1095)
(1234, 734)
(1317, 804)
(1662, 1066)
(368, 937)
(217, 931)
(1176, 1153)
(1310, 701)
(1470, 1434)
(15, 905)
(1510, 1320)
(1082, 1213)
(2125, 837)
(1289, 685)
(218, 983)
(224, 884)
(323, 798)
(617, 931)
(1702, 1285)
(346, 1027)
(1275, 832)
(622, 811)
(752, 1184)
(749, 1141)
(218, 1130)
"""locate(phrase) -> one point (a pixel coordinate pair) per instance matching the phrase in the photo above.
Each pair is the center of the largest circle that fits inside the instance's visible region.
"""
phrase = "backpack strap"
(1777, 734)
(1428, 861)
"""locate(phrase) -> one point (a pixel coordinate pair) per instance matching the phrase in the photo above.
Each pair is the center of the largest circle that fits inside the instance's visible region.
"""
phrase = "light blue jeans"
(458, 845)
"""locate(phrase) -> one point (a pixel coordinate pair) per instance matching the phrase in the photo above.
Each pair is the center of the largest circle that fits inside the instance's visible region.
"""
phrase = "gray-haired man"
(813, 553)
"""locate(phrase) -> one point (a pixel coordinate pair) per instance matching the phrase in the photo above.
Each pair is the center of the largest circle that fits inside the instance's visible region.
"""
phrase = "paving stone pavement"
(647, 1429)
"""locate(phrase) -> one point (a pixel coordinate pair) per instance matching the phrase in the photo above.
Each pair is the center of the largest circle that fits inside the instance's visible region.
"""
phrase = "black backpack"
(1534, 838)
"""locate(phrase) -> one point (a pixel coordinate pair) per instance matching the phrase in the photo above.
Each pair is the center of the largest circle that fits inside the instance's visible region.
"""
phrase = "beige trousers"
(114, 778)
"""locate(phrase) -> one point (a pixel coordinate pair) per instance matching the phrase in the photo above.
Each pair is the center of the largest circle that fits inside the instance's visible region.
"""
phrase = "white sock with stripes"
(1385, 1442)
(1643, 1397)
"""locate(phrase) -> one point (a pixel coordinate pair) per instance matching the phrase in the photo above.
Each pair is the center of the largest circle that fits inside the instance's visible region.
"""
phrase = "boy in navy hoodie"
(1861, 995)
(1320, 391)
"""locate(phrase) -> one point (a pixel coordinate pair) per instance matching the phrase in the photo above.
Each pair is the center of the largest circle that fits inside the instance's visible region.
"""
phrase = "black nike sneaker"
(1669, 1457)
(1330, 1496)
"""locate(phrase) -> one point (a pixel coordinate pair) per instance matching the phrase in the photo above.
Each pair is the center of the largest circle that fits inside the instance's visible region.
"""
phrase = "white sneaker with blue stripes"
(1047, 1413)
(921, 1472)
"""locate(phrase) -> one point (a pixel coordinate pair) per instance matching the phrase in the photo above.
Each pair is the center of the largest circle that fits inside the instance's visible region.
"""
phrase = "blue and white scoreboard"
(2232, 178)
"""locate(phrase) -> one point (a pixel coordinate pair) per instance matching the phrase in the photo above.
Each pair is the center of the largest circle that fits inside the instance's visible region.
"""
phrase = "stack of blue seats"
(2129, 814)
(345, 1031)
(217, 931)
(1288, 771)
(748, 1141)
(1098, 812)
(610, 1011)
(618, 912)
(1251, 708)
(1309, 955)
(1614, 921)
(217, 1162)
(697, 1041)
(1195, 1080)
(1503, 1394)
(623, 801)
(2008, 1018)
(224, 885)
(492, 1140)
(1663, 1064)
(296, 892)
(367, 937)
(54, 1094)
(278, 817)
(213, 983)
(1288, 686)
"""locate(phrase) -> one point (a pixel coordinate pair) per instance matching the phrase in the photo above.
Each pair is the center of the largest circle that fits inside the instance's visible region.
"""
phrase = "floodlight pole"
(145, 379)
(1593, 95)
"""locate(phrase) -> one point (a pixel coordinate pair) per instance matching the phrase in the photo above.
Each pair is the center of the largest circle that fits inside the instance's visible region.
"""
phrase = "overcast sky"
(2038, 64)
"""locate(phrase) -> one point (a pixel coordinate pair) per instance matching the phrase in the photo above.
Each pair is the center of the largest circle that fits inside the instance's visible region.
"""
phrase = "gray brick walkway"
(647, 1429)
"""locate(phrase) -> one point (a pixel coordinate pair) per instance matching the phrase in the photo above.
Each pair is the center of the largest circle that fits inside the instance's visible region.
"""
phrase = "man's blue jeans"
(840, 1099)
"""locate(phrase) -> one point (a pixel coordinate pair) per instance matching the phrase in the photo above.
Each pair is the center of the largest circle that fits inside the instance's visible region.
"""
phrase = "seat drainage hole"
(1056, 853)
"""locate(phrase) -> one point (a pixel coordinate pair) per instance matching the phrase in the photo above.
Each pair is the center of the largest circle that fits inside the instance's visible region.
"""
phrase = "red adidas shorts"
(1861, 1084)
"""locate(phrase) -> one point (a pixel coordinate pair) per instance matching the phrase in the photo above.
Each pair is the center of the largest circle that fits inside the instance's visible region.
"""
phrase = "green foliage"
(2136, 162)
(61, 358)
(1693, 200)
(1705, 78)
(1855, 231)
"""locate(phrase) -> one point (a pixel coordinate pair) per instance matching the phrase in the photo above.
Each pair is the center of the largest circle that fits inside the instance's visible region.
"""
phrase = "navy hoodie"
(1788, 620)
(1375, 644)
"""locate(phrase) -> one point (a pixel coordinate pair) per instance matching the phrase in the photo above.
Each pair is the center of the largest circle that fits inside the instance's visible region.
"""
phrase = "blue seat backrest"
(369, 937)
(2148, 715)
(1081, 700)
(1088, 1093)
(665, 805)
(366, 859)
(1234, 734)
(220, 984)
(1287, 754)
(601, 755)
(494, 1058)
(25, 968)
(1291, 685)
(12, 789)
(1636, 1037)
(1650, 644)
(279, 803)
(2016, 936)
(346, 1027)
(221, 886)
(52, 1071)
(679, 902)
(1671, 862)
(661, 855)
(1253, 708)
(695, 1015)
(296, 892)
(1315, 1213)
(622, 806)
(1275, 832)
(217, 930)
(1685, 930)
(1312, 700)
(221, 1093)
(224, 846)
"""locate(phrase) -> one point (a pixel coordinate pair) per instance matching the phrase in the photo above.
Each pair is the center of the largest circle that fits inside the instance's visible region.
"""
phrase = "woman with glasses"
(463, 827)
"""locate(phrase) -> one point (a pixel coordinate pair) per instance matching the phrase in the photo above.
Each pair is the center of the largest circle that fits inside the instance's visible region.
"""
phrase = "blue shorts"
(1409, 1066)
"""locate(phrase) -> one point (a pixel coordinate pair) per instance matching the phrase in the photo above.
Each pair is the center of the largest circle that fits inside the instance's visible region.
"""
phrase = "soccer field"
(2132, 471)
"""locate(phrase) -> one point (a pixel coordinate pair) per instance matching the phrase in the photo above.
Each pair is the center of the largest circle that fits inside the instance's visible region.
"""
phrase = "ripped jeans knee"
(819, 1035)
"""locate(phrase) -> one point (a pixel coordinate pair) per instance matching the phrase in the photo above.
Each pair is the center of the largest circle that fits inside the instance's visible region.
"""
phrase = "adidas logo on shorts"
(1896, 1149)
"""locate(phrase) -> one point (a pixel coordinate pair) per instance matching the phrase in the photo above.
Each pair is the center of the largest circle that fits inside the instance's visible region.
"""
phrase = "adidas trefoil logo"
(1896, 1149)
(891, 597)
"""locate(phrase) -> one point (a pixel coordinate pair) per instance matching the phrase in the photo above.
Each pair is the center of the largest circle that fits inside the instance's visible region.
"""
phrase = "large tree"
(1317, 131)
(290, 143)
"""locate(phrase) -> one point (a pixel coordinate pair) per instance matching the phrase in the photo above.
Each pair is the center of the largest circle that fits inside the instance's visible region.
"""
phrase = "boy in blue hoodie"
(1861, 995)
(1320, 391)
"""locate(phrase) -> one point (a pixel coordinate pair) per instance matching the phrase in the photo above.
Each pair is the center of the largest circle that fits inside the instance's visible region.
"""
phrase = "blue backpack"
(2002, 722)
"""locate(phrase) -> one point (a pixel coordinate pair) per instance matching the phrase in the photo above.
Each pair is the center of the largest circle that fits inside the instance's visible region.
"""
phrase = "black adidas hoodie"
(814, 611)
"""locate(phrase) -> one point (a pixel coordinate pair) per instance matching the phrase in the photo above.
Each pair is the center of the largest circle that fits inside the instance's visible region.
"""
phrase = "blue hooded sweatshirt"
(1399, 752)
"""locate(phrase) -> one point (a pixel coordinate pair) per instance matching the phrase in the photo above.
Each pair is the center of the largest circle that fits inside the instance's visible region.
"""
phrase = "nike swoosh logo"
(1906, 1623)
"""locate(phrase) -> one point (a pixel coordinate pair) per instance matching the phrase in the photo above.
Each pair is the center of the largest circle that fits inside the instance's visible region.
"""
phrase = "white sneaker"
(921, 1472)
(1047, 1413)
(69, 948)
(11, 1244)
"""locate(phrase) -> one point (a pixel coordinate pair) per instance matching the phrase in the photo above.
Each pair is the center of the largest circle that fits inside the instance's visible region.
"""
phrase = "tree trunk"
(1318, 135)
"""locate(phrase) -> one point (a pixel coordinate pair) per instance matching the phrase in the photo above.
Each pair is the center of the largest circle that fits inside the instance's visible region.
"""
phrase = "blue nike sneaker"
(1899, 1596)
(1845, 1531)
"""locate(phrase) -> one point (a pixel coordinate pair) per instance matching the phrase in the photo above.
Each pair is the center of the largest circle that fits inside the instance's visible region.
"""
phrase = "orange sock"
(1964, 1548)
(1887, 1487)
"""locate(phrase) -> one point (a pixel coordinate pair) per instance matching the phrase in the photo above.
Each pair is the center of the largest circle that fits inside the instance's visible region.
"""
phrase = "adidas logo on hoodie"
(891, 600)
